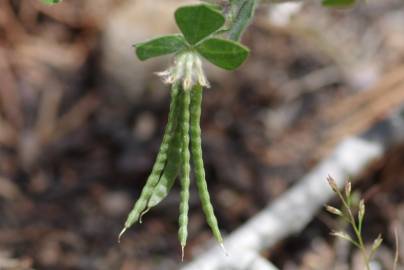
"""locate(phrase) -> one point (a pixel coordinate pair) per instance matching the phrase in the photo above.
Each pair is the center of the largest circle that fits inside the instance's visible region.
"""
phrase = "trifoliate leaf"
(223, 53)
(338, 3)
(198, 22)
(159, 46)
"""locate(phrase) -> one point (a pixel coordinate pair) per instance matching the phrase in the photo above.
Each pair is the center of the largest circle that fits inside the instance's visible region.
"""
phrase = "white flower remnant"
(187, 69)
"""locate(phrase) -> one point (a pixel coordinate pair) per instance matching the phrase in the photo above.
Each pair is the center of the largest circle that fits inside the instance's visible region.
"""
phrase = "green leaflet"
(223, 53)
(50, 2)
(159, 46)
(338, 3)
(198, 22)
(242, 18)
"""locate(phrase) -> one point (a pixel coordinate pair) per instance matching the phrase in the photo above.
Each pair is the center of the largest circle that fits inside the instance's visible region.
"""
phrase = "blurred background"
(81, 120)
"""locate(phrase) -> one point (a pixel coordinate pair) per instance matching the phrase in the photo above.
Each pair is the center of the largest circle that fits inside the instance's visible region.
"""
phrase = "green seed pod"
(171, 170)
(185, 171)
(196, 148)
(158, 166)
(165, 184)
(172, 166)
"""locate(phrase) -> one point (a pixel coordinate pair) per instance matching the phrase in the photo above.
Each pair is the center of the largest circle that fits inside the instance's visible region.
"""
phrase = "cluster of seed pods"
(204, 34)
(182, 139)
(200, 27)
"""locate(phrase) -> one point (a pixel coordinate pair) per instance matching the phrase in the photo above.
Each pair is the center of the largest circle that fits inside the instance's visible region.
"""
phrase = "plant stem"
(357, 230)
